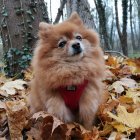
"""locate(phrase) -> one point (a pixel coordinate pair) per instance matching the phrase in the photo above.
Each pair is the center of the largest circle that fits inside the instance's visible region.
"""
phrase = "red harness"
(72, 94)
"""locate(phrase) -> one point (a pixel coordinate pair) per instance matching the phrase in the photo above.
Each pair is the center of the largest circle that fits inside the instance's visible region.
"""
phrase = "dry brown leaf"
(11, 86)
(28, 74)
(47, 127)
(112, 61)
(125, 70)
(52, 128)
(3, 79)
(109, 75)
(92, 135)
(138, 134)
(104, 108)
(17, 114)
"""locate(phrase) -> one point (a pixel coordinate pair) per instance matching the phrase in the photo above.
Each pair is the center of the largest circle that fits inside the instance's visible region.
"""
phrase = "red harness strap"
(72, 94)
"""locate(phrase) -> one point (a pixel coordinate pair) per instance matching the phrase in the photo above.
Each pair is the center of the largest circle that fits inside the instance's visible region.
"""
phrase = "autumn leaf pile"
(118, 118)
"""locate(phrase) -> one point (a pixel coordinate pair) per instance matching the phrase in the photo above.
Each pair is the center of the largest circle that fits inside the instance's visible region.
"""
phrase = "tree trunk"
(111, 33)
(123, 34)
(19, 22)
(138, 9)
(102, 23)
(131, 26)
(83, 9)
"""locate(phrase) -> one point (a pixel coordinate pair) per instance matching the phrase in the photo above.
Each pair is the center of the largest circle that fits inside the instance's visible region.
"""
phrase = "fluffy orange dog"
(68, 67)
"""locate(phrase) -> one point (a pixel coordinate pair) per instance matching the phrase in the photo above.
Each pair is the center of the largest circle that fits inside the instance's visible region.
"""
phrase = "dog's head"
(68, 40)
(67, 49)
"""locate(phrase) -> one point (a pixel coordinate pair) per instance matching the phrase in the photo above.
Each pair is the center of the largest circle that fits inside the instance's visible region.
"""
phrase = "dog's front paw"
(87, 113)
(57, 107)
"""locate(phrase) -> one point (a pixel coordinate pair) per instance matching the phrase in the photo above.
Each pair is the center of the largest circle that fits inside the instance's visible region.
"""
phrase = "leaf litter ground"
(118, 118)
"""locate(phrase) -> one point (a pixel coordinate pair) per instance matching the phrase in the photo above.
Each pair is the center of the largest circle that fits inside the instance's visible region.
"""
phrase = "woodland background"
(117, 22)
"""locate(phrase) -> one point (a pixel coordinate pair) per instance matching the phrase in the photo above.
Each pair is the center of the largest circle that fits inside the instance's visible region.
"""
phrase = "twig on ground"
(116, 52)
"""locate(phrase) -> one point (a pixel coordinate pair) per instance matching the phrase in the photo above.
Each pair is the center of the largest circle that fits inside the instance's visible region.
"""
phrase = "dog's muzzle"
(76, 48)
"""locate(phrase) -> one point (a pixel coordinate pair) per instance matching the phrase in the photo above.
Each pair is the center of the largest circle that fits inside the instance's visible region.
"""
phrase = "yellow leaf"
(131, 120)
(125, 99)
(121, 127)
(134, 94)
(135, 68)
(106, 130)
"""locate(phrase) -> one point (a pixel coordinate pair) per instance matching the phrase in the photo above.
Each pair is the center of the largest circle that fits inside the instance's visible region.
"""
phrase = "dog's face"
(69, 40)
(67, 49)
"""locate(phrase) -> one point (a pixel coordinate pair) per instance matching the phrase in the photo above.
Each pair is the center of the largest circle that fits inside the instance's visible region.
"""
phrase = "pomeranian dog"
(68, 69)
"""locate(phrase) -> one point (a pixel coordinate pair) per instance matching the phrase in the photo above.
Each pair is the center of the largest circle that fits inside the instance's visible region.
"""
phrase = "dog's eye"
(62, 44)
(79, 37)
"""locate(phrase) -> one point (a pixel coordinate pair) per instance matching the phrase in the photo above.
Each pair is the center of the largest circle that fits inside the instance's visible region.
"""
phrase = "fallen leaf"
(92, 135)
(28, 74)
(134, 94)
(104, 108)
(53, 128)
(127, 82)
(138, 134)
(117, 86)
(129, 119)
(125, 70)
(112, 61)
(11, 86)
(134, 63)
(112, 136)
(49, 127)
(17, 114)
(107, 129)
(122, 128)
(125, 99)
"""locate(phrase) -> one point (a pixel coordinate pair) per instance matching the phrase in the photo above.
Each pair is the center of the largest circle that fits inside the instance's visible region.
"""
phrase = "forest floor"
(135, 54)
(118, 117)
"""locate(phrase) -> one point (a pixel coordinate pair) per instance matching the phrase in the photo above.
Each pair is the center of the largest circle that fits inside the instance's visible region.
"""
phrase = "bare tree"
(102, 23)
(123, 34)
(111, 36)
(131, 26)
(138, 9)
(60, 11)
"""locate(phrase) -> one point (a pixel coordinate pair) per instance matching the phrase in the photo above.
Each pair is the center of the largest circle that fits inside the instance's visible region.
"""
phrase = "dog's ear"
(74, 18)
(44, 29)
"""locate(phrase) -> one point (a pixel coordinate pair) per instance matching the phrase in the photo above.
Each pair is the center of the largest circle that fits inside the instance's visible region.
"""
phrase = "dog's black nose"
(77, 48)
